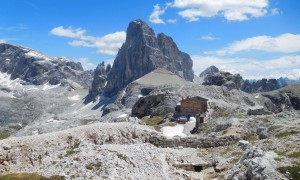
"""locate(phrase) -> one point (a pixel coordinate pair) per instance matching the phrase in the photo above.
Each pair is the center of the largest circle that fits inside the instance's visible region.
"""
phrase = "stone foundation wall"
(193, 142)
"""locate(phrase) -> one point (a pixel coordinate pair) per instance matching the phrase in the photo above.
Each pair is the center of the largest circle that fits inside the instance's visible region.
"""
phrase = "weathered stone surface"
(141, 53)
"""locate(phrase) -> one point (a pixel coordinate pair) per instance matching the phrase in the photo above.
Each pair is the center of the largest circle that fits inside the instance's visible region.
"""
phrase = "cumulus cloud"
(155, 15)
(108, 44)
(86, 64)
(172, 21)
(285, 43)
(233, 10)
(252, 69)
(209, 37)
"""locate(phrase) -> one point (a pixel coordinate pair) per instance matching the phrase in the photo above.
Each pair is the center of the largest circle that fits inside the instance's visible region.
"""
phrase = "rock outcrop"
(209, 71)
(263, 85)
(255, 164)
(231, 81)
(155, 105)
(99, 82)
(36, 68)
(141, 53)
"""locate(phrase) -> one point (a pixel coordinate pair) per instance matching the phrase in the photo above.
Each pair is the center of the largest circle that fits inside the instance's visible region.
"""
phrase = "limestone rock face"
(99, 81)
(231, 81)
(141, 53)
(263, 85)
(37, 68)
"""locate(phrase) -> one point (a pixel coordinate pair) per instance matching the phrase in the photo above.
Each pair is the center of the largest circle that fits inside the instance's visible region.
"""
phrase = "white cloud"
(285, 43)
(15, 28)
(2, 41)
(155, 15)
(209, 37)
(68, 32)
(251, 69)
(86, 64)
(232, 10)
(172, 21)
(108, 44)
(275, 11)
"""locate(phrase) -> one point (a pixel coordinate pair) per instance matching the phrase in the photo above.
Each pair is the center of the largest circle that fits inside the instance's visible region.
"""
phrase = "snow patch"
(47, 86)
(170, 131)
(54, 121)
(140, 96)
(192, 120)
(257, 96)
(74, 98)
(37, 55)
(123, 115)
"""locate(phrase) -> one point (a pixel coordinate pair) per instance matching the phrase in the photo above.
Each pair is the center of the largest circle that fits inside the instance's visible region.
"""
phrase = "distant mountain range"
(213, 76)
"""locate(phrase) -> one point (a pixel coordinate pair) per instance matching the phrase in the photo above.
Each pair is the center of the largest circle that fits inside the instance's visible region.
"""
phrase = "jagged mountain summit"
(209, 71)
(143, 52)
(262, 85)
(99, 82)
(36, 68)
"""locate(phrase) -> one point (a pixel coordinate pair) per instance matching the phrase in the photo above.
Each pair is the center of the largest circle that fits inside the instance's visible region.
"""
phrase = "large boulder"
(255, 164)
(155, 105)
(141, 53)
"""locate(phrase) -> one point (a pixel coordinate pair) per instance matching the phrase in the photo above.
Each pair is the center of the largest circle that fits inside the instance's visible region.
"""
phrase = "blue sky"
(256, 38)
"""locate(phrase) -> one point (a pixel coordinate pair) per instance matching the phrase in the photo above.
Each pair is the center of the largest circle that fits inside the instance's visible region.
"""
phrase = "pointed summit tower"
(141, 53)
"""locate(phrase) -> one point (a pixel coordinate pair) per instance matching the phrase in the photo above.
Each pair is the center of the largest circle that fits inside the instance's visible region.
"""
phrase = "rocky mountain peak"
(139, 32)
(209, 71)
(99, 82)
(141, 53)
(36, 68)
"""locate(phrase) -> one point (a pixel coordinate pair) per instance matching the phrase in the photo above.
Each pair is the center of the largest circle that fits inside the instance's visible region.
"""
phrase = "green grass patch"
(223, 114)
(226, 150)
(278, 159)
(158, 127)
(4, 134)
(225, 132)
(237, 153)
(87, 121)
(272, 128)
(92, 166)
(294, 155)
(285, 133)
(293, 171)
(122, 156)
(155, 120)
(266, 119)
(72, 149)
(280, 153)
(252, 138)
(28, 176)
